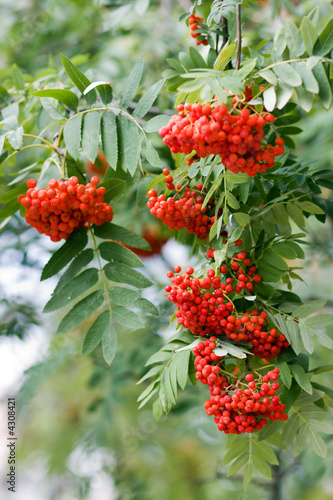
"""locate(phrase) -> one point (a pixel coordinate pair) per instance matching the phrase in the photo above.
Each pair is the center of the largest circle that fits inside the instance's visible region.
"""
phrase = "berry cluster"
(203, 306)
(195, 30)
(237, 410)
(186, 212)
(251, 328)
(236, 136)
(64, 206)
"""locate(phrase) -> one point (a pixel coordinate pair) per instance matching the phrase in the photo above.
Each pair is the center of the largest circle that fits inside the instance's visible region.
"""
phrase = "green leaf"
(109, 231)
(17, 77)
(72, 290)
(151, 154)
(9, 209)
(274, 259)
(318, 444)
(146, 306)
(309, 81)
(312, 411)
(90, 134)
(320, 321)
(305, 98)
(109, 342)
(308, 308)
(232, 201)
(151, 373)
(216, 184)
(301, 439)
(283, 94)
(104, 89)
(236, 449)
(73, 246)
(76, 265)
(79, 79)
(324, 44)
(197, 58)
(265, 452)
(113, 188)
(157, 357)
(127, 318)
(325, 93)
(286, 250)
(324, 340)
(309, 34)
(148, 99)
(289, 396)
(65, 96)
(269, 96)
(95, 333)
(296, 214)
(154, 124)
(72, 135)
(13, 193)
(122, 295)
(148, 390)
(281, 215)
(110, 138)
(294, 335)
(307, 339)
(120, 273)
(322, 369)
(15, 138)
(238, 463)
(157, 409)
(325, 427)
(129, 144)
(301, 378)
(225, 56)
(81, 311)
(287, 74)
(262, 466)
(285, 374)
(182, 361)
(112, 251)
(165, 401)
(289, 430)
(132, 84)
(308, 206)
(247, 475)
(237, 178)
(242, 218)
(168, 386)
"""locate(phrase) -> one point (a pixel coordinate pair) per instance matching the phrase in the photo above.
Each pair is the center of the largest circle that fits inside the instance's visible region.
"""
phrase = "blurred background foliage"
(81, 435)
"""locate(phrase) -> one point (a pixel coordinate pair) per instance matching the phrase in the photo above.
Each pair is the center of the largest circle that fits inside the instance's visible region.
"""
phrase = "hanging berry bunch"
(237, 406)
(183, 210)
(205, 306)
(64, 206)
(235, 134)
(197, 30)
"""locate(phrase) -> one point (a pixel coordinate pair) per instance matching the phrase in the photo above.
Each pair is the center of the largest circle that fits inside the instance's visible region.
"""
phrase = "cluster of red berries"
(237, 410)
(234, 135)
(203, 306)
(186, 212)
(195, 30)
(251, 327)
(64, 206)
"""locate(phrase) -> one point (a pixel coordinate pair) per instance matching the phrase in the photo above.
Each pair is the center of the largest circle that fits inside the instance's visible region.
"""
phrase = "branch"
(239, 37)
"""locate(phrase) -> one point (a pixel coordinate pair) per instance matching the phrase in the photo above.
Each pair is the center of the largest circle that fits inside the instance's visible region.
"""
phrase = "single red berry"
(31, 183)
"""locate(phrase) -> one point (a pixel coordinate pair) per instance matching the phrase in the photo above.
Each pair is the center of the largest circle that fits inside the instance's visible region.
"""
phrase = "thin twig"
(239, 37)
